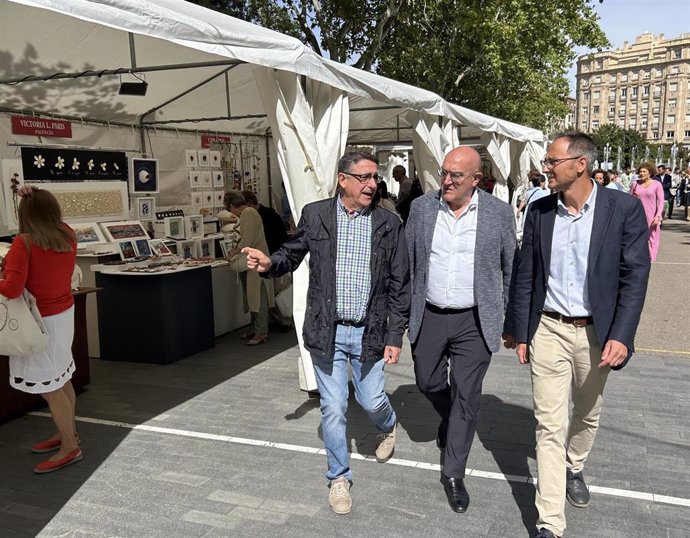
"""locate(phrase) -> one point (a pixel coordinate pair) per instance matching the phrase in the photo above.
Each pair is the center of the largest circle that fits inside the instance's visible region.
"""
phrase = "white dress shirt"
(451, 262)
(566, 286)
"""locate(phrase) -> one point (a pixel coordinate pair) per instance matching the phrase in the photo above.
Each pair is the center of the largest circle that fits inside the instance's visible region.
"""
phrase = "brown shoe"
(386, 445)
(339, 496)
(248, 335)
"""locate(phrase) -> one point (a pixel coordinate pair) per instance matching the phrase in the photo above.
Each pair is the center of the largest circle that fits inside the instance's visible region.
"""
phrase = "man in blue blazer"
(461, 242)
(576, 301)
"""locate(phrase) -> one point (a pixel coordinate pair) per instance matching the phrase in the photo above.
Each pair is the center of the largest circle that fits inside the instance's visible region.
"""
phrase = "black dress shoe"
(442, 435)
(458, 498)
(576, 490)
(546, 533)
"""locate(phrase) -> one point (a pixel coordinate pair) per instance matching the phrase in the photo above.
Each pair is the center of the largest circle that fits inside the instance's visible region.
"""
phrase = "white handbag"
(22, 331)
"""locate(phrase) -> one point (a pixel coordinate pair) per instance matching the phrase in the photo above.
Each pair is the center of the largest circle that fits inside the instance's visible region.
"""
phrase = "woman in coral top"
(651, 194)
(41, 259)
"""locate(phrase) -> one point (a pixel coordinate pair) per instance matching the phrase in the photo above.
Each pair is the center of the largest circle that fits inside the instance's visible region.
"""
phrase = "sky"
(623, 20)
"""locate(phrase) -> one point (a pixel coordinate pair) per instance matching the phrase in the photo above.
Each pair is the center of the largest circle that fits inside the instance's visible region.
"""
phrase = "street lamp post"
(674, 152)
(607, 154)
(632, 157)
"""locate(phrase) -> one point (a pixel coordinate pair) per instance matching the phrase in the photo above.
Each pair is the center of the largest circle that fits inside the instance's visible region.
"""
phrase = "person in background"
(611, 181)
(358, 304)
(274, 228)
(626, 178)
(41, 260)
(576, 300)
(258, 292)
(598, 175)
(651, 194)
(404, 183)
(667, 184)
(381, 198)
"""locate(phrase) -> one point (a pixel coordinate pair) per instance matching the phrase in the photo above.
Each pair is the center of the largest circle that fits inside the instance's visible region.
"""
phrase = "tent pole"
(118, 71)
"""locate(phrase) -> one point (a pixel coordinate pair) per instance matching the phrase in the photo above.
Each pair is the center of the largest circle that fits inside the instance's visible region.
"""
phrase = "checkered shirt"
(352, 269)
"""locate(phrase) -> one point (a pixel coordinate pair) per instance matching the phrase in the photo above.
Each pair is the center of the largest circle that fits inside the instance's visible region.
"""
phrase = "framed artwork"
(208, 198)
(205, 248)
(194, 225)
(186, 249)
(197, 199)
(88, 201)
(218, 178)
(12, 179)
(159, 248)
(218, 197)
(194, 178)
(127, 251)
(215, 158)
(117, 231)
(143, 247)
(88, 233)
(144, 176)
(174, 227)
(204, 158)
(226, 247)
(191, 158)
(146, 207)
(172, 247)
(206, 178)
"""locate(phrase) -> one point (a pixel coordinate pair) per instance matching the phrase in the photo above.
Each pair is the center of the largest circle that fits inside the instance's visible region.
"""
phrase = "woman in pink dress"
(651, 194)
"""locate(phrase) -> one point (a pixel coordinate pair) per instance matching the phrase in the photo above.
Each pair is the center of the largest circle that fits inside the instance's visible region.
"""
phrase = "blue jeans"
(332, 381)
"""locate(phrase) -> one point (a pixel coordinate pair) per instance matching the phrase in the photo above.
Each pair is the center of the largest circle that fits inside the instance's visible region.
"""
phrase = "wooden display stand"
(14, 403)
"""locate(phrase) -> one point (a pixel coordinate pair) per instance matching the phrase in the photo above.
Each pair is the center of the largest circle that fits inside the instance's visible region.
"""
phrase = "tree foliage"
(627, 139)
(507, 58)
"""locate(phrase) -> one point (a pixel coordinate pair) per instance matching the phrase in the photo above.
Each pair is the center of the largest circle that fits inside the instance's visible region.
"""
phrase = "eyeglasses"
(455, 177)
(551, 163)
(365, 178)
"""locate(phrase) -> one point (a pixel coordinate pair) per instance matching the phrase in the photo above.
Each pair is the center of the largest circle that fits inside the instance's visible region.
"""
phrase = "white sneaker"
(339, 497)
(386, 445)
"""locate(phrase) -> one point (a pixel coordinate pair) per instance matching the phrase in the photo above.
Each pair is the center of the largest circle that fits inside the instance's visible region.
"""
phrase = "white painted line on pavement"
(613, 492)
(661, 351)
(671, 263)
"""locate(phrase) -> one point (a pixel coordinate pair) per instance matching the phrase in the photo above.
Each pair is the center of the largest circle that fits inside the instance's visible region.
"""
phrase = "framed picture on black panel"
(144, 177)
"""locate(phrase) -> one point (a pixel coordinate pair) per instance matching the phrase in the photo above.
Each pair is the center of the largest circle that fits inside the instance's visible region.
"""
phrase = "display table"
(155, 317)
(14, 403)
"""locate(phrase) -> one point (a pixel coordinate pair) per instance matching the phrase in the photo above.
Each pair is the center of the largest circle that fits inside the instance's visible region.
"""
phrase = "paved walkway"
(223, 444)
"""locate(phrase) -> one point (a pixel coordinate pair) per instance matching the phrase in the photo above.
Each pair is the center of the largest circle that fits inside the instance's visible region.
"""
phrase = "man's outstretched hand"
(256, 260)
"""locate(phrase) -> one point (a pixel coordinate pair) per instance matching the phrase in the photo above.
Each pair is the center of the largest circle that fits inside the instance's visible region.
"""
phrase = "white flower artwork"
(60, 164)
(75, 164)
(39, 161)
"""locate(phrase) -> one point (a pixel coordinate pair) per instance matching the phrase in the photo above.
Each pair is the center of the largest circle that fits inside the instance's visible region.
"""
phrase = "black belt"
(350, 323)
(438, 310)
(577, 322)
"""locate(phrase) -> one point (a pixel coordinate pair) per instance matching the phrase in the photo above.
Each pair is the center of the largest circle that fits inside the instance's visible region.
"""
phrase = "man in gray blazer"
(461, 242)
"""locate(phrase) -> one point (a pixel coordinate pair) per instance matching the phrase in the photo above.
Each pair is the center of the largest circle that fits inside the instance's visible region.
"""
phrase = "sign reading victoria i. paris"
(49, 164)
(35, 126)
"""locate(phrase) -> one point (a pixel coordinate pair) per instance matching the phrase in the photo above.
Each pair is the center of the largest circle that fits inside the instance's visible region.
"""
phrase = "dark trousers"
(670, 203)
(452, 338)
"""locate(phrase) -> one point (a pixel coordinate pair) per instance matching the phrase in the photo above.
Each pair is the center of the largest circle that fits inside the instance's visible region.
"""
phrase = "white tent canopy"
(201, 69)
(210, 72)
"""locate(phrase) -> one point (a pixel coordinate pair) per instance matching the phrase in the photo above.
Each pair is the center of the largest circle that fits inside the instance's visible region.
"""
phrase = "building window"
(624, 92)
(645, 90)
(632, 123)
(687, 117)
(634, 91)
(596, 95)
(673, 87)
(595, 124)
(655, 121)
(646, 74)
(613, 78)
(687, 134)
(671, 119)
(624, 77)
(655, 135)
(671, 103)
(595, 109)
(634, 76)
(598, 64)
(643, 123)
(597, 80)
(670, 134)
(675, 70)
(621, 124)
(612, 109)
(677, 53)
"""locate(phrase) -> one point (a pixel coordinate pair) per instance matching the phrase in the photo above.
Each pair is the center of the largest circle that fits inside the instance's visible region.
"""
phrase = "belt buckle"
(580, 322)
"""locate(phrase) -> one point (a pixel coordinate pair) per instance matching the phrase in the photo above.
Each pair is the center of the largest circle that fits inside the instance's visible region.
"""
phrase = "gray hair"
(581, 144)
(346, 161)
(233, 199)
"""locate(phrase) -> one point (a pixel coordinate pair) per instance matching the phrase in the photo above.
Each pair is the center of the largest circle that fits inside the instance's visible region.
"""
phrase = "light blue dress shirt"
(566, 287)
(451, 261)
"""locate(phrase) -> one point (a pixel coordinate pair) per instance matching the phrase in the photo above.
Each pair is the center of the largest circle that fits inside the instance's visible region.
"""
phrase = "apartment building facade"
(643, 86)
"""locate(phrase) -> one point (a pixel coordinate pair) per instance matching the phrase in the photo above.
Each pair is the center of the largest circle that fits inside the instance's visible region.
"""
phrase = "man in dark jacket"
(667, 183)
(358, 305)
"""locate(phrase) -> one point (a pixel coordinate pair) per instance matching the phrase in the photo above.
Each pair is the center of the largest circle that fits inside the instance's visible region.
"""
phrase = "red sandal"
(50, 466)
